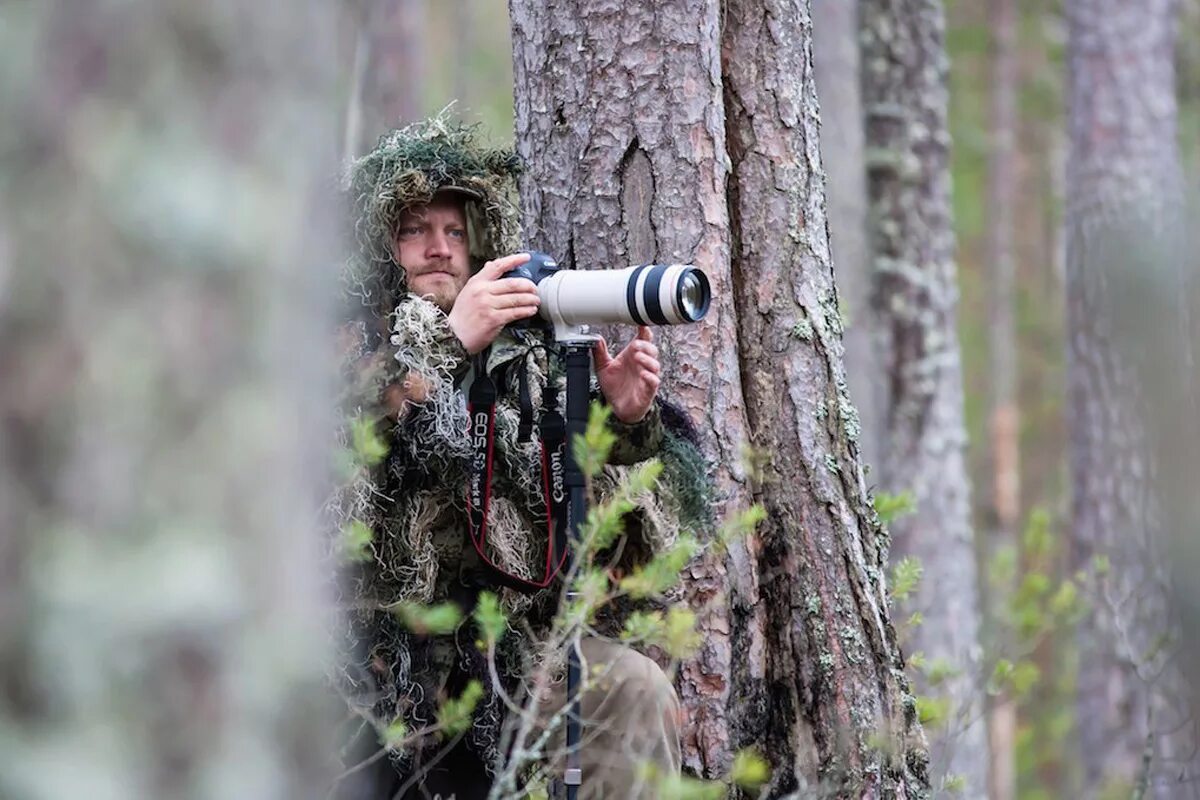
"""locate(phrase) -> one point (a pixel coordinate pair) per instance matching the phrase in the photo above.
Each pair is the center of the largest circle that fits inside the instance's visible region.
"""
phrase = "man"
(434, 219)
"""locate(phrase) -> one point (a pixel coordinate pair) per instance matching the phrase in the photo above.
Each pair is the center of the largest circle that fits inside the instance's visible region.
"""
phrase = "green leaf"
(642, 478)
(740, 524)
(1065, 600)
(891, 507)
(354, 541)
(393, 735)
(1037, 540)
(680, 787)
(454, 717)
(1000, 675)
(490, 618)
(933, 711)
(940, 670)
(368, 447)
(750, 770)
(661, 572)
(591, 450)
(591, 591)
(605, 522)
(954, 783)
(644, 626)
(1025, 676)
(906, 575)
(437, 619)
(680, 639)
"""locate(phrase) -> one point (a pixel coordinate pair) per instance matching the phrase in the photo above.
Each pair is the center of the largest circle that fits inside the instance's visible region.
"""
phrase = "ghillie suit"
(414, 501)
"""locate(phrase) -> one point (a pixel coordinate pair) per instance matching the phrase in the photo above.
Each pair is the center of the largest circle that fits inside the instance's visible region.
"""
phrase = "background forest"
(167, 221)
(1032, 573)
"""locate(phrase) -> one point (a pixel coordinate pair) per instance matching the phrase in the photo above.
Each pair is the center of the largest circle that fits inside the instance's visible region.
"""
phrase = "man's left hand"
(630, 380)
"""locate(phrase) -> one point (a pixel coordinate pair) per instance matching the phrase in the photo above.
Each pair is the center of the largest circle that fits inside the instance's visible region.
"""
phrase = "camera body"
(650, 294)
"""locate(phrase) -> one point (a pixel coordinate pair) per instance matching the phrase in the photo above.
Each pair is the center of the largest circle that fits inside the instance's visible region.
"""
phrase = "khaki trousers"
(631, 719)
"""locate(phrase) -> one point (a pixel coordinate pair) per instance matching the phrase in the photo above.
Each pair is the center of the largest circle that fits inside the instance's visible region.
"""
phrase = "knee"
(619, 671)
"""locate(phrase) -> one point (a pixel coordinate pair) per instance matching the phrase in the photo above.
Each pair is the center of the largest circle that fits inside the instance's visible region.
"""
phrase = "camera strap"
(552, 430)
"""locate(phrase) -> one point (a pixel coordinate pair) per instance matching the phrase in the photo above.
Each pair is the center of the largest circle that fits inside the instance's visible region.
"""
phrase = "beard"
(438, 288)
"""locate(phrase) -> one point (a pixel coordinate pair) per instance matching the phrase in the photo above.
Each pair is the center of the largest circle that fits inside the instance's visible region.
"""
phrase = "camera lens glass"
(693, 296)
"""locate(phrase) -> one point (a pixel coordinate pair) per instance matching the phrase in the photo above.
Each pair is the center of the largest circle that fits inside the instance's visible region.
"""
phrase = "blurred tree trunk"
(905, 98)
(390, 71)
(1129, 351)
(1004, 424)
(835, 58)
(463, 25)
(621, 118)
(160, 242)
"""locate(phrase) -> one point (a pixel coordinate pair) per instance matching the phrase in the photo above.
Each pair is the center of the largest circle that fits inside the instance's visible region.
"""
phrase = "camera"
(651, 294)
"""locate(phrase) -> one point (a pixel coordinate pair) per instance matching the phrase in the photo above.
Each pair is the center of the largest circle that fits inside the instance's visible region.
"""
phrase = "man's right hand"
(488, 302)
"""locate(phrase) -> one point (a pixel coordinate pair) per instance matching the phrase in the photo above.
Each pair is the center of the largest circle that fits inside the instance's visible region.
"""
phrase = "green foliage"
(368, 448)
(354, 541)
(661, 572)
(891, 507)
(906, 576)
(940, 670)
(674, 632)
(489, 616)
(392, 737)
(933, 711)
(454, 716)
(591, 587)
(750, 770)
(954, 783)
(437, 619)
(592, 449)
(740, 524)
(681, 637)
(605, 520)
(681, 787)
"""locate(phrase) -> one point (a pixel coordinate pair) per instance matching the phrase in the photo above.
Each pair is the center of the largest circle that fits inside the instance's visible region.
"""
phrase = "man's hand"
(630, 380)
(488, 302)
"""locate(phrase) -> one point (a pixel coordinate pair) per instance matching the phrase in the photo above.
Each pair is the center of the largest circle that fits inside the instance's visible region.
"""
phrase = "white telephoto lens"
(652, 294)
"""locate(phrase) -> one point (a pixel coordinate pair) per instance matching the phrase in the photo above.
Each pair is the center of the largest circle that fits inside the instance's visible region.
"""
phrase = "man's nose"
(439, 245)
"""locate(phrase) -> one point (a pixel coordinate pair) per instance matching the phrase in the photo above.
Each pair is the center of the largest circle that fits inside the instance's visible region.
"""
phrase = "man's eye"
(457, 233)
(407, 231)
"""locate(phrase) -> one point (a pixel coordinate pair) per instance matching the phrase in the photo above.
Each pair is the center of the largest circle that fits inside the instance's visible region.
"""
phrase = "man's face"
(431, 245)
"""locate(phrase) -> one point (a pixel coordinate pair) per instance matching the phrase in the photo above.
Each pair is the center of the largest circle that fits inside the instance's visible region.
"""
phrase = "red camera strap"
(481, 415)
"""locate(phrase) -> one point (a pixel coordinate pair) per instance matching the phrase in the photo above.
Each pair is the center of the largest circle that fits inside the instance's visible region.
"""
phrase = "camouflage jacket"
(417, 510)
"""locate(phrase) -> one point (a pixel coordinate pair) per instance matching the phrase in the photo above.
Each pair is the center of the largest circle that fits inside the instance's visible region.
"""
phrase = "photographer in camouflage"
(435, 227)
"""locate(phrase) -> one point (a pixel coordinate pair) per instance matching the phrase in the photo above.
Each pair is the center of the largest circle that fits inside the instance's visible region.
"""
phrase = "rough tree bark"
(839, 85)
(1003, 412)
(160, 322)
(1125, 319)
(621, 117)
(905, 99)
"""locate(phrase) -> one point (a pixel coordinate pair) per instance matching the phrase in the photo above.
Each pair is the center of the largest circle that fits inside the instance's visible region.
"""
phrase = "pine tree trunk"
(621, 118)
(839, 82)
(1003, 411)
(1128, 346)
(620, 123)
(161, 327)
(916, 296)
(395, 74)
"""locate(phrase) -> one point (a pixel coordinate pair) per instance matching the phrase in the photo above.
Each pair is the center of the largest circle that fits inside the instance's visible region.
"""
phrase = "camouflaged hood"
(408, 167)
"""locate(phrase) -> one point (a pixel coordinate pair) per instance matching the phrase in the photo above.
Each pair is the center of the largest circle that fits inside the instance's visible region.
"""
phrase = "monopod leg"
(579, 374)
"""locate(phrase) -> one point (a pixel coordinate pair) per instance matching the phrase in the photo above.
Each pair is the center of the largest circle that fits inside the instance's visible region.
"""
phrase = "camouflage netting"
(414, 500)
(408, 167)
